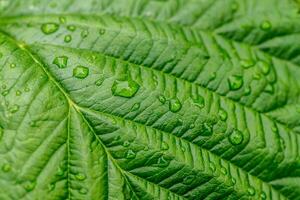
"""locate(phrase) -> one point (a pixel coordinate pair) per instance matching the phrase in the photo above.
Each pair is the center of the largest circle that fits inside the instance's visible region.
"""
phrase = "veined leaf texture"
(149, 99)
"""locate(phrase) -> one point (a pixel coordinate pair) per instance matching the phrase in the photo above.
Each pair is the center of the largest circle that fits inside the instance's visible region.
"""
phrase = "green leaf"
(149, 99)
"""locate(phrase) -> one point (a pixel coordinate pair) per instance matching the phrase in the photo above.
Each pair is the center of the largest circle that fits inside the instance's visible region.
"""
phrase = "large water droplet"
(80, 176)
(236, 137)
(174, 105)
(130, 154)
(14, 108)
(235, 82)
(49, 28)
(222, 114)
(266, 25)
(68, 38)
(29, 185)
(61, 61)
(6, 167)
(80, 72)
(127, 88)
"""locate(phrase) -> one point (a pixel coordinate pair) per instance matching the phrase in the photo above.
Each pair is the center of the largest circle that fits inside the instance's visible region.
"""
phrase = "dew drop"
(222, 114)
(99, 81)
(6, 167)
(199, 101)
(29, 185)
(14, 108)
(127, 88)
(12, 65)
(251, 191)
(71, 28)
(27, 89)
(126, 144)
(236, 137)
(84, 33)
(266, 25)
(223, 170)
(49, 28)
(174, 105)
(62, 20)
(264, 67)
(68, 38)
(235, 82)
(246, 63)
(188, 180)
(135, 106)
(18, 93)
(130, 154)
(80, 176)
(247, 91)
(164, 146)
(192, 126)
(60, 172)
(83, 191)
(51, 187)
(4, 93)
(102, 31)
(162, 99)
(263, 196)
(80, 72)
(269, 89)
(61, 61)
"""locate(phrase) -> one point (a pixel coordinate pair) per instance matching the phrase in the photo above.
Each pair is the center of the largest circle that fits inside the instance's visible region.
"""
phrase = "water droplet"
(80, 72)
(102, 31)
(60, 172)
(61, 61)
(135, 106)
(235, 82)
(18, 93)
(164, 146)
(247, 91)
(49, 28)
(192, 126)
(266, 25)
(199, 101)
(83, 191)
(80, 176)
(71, 28)
(68, 38)
(274, 128)
(126, 144)
(130, 154)
(251, 191)
(4, 93)
(12, 65)
(62, 20)
(51, 187)
(29, 185)
(27, 89)
(223, 170)
(246, 63)
(269, 89)
(14, 108)
(6, 167)
(127, 88)
(264, 67)
(212, 167)
(263, 196)
(256, 75)
(188, 180)
(213, 76)
(174, 105)
(99, 81)
(222, 114)
(84, 33)
(236, 137)
(162, 99)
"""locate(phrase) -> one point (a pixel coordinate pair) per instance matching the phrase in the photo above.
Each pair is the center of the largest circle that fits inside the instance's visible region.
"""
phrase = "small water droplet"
(71, 28)
(80, 72)
(80, 176)
(18, 93)
(266, 25)
(83, 191)
(130, 154)
(29, 185)
(188, 180)
(213, 76)
(14, 108)
(199, 101)
(135, 106)
(264, 67)
(263, 196)
(27, 89)
(99, 81)
(12, 65)
(60, 172)
(256, 75)
(274, 128)
(222, 114)
(164, 146)
(233, 180)
(251, 191)
(61, 61)
(6, 167)
(4, 93)
(192, 126)
(126, 144)
(49, 28)
(236, 137)
(51, 187)
(246, 63)
(269, 89)
(84, 33)
(68, 38)
(127, 88)
(223, 170)
(235, 82)
(62, 20)
(174, 105)
(247, 91)
(162, 99)
(102, 31)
